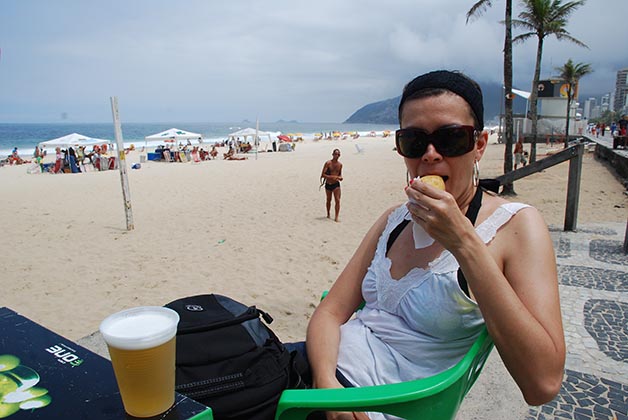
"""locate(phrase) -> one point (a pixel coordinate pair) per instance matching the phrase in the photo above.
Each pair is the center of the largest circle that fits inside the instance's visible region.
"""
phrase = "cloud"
(226, 61)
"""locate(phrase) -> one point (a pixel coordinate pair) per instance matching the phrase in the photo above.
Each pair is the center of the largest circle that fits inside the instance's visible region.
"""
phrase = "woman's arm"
(520, 302)
(323, 332)
(514, 282)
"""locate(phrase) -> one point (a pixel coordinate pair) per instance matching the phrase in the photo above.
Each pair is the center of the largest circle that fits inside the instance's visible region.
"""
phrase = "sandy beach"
(254, 230)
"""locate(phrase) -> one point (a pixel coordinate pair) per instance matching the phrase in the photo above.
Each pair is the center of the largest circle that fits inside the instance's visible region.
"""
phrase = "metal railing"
(574, 155)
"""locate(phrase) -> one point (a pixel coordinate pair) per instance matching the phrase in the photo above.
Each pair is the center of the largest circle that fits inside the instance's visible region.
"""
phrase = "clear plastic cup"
(141, 343)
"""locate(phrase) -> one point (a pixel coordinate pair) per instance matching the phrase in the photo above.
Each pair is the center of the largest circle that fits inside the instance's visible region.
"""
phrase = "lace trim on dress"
(391, 291)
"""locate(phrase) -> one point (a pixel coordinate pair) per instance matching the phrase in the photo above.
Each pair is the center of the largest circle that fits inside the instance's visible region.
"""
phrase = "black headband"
(454, 82)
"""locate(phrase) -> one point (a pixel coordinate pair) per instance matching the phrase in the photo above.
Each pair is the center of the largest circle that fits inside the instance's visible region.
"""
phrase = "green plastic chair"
(437, 397)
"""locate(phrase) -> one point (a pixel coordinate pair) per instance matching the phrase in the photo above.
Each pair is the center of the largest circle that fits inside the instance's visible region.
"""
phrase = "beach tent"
(264, 137)
(174, 134)
(72, 140)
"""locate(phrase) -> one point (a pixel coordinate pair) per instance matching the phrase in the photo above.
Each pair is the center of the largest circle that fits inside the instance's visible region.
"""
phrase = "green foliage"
(607, 118)
(542, 18)
(572, 72)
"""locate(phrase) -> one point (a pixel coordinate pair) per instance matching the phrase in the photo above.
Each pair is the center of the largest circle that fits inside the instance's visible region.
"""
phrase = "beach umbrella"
(283, 137)
(173, 134)
(254, 133)
(72, 140)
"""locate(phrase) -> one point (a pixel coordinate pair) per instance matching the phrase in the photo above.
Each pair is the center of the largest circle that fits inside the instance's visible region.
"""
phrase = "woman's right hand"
(339, 415)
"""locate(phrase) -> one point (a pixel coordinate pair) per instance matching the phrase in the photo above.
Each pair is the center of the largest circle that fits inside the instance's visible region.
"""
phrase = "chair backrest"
(437, 397)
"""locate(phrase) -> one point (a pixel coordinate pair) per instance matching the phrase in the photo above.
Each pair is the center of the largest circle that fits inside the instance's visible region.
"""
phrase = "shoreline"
(135, 133)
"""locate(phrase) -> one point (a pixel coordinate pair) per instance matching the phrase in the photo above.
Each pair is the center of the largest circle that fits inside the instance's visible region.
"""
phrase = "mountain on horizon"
(385, 112)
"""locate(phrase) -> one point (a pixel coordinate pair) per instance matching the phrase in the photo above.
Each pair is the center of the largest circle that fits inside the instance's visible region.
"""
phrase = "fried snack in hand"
(434, 180)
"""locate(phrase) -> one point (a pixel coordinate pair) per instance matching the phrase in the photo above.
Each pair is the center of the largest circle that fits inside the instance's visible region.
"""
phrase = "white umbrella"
(173, 134)
(73, 140)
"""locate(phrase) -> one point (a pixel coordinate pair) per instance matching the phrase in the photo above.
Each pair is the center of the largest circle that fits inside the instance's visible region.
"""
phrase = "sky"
(227, 61)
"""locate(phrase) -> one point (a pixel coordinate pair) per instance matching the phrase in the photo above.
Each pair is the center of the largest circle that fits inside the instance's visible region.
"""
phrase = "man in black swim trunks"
(331, 176)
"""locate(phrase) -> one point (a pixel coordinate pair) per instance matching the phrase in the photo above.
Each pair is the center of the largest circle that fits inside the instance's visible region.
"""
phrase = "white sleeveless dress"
(416, 326)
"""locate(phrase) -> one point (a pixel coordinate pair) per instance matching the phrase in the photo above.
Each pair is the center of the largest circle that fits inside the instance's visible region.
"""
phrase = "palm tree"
(542, 18)
(571, 73)
(477, 9)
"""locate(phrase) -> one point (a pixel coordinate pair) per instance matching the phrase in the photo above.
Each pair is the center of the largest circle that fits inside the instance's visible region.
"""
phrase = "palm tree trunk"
(508, 189)
(534, 100)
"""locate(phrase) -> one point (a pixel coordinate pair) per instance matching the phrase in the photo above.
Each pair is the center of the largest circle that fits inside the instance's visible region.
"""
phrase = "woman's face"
(430, 114)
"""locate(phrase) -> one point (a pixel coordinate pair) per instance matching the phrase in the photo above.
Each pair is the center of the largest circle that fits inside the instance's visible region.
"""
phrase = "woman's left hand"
(438, 213)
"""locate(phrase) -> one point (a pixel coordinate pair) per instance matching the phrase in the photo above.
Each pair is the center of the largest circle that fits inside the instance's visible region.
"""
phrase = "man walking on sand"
(331, 176)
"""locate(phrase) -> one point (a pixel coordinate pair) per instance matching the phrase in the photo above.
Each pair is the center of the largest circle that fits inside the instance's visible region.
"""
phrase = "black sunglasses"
(451, 141)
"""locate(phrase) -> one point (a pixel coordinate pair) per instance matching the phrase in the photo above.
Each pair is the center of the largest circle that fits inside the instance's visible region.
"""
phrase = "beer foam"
(140, 328)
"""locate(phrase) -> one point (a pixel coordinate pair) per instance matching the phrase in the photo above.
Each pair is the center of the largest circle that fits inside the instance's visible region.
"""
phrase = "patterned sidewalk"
(593, 277)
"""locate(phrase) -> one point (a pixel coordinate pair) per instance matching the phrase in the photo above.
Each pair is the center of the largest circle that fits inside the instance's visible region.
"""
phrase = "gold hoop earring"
(476, 173)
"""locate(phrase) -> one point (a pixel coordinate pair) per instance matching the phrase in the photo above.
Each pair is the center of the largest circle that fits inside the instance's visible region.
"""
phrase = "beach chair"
(435, 398)
(359, 149)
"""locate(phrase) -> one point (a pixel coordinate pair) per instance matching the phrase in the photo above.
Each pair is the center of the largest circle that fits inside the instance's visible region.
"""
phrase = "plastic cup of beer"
(141, 344)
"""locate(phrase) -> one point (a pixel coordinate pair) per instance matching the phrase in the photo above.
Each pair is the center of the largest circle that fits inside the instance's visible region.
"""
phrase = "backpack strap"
(472, 215)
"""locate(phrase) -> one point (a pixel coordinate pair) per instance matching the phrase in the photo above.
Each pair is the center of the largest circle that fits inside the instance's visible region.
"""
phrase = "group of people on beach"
(74, 160)
(489, 264)
(13, 159)
(185, 154)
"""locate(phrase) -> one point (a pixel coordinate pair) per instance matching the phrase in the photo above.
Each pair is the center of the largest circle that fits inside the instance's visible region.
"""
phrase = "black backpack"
(229, 360)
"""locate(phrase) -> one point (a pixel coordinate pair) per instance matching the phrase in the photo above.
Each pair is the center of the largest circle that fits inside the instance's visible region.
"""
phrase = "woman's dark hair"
(441, 81)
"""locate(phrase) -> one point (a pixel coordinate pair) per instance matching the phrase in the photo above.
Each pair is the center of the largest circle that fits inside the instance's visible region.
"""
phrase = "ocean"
(26, 136)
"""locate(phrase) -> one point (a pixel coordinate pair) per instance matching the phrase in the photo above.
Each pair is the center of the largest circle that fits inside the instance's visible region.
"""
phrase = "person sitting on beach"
(230, 155)
(195, 154)
(426, 303)
(213, 152)
(58, 161)
(15, 158)
(80, 154)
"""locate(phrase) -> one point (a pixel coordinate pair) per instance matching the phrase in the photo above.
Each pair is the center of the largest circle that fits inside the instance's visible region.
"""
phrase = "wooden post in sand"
(126, 193)
(573, 189)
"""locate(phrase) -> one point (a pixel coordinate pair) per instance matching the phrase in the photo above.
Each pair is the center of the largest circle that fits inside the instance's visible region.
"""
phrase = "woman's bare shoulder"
(382, 221)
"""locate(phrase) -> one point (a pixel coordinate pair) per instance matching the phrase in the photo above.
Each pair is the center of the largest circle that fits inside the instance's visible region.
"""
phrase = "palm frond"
(522, 24)
(523, 37)
(572, 39)
(478, 8)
